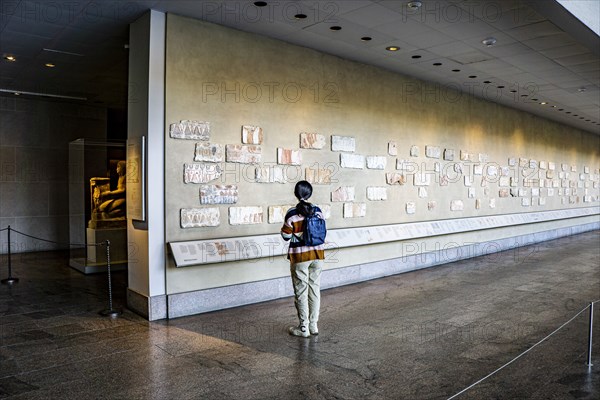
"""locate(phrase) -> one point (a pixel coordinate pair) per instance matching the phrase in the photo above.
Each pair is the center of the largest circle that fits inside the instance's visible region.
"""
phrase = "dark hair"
(303, 191)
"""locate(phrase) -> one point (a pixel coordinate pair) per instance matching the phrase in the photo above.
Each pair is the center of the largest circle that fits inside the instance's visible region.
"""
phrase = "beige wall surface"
(231, 78)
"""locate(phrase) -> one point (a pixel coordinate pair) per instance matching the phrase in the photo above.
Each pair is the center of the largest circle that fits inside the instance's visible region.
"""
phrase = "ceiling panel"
(533, 56)
(372, 15)
(564, 51)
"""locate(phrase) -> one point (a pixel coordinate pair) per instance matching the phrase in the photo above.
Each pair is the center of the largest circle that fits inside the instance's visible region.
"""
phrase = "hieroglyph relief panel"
(244, 154)
(218, 194)
(245, 215)
(252, 134)
(200, 217)
(355, 161)
(312, 141)
(277, 213)
(201, 173)
(392, 148)
(208, 152)
(355, 210)
(376, 193)
(395, 178)
(456, 205)
(343, 143)
(343, 193)
(432, 152)
(289, 156)
(376, 162)
(271, 174)
(190, 130)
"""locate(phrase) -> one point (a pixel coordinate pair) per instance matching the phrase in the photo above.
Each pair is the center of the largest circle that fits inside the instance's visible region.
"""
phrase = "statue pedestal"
(95, 260)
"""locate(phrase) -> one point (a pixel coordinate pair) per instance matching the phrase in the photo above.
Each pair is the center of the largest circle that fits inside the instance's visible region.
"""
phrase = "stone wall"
(34, 157)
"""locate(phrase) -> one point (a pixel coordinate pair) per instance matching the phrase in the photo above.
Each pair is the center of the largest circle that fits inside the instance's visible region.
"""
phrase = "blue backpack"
(314, 229)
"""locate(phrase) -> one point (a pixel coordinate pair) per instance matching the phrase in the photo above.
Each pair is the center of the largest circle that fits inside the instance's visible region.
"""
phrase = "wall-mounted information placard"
(196, 252)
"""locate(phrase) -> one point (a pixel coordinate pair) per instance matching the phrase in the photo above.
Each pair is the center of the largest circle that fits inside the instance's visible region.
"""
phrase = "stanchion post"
(589, 354)
(10, 280)
(110, 312)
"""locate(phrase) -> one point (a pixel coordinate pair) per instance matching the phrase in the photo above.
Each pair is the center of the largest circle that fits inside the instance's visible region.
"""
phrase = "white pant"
(306, 279)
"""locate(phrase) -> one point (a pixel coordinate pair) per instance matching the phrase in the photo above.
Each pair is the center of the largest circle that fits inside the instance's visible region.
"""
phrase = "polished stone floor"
(420, 335)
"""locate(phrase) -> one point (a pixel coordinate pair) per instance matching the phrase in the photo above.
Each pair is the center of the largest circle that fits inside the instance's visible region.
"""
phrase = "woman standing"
(306, 263)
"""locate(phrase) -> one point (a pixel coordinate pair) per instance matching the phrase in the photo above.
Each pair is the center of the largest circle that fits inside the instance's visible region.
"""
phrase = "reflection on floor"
(420, 335)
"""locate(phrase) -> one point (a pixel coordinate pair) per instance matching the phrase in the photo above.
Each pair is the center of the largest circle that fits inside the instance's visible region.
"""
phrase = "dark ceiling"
(542, 54)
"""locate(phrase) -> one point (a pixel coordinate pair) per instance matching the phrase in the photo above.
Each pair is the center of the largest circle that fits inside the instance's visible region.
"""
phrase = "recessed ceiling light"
(576, 115)
(392, 48)
(260, 3)
(437, 64)
(534, 99)
(413, 5)
(472, 76)
(456, 70)
(10, 58)
(300, 16)
(560, 109)
(581, 117)
(50, 65)
(568, 112)
(513, 91)
(486, 82)
(553, 106)
(366, 38)
(416, 56)
(335, 28)
(500, 87)
(587, 120)
(17, 94)
(543, 103)
(581, 89)
(489, 42)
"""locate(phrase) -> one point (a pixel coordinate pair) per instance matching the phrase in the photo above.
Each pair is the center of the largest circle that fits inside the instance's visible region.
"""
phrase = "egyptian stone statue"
(108, 206)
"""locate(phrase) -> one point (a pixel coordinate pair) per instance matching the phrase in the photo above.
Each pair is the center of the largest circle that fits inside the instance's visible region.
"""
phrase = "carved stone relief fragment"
(456, 205)
(190, 130)
(208, 152)
(343, 193)
(395, 178)
(245, 215)
(277, 213)
(343, 143)
(312, 141)
(199, 217)
(201, 173)
(271, 174)
(244, 154)
(252, 134)
(432, 152)
(376, 193)
(376, 162)
(289, 156)
(355, 161)
(355, 210)
(218, 194)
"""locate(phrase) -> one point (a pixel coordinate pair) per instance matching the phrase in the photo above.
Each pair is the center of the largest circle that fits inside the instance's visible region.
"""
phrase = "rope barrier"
(55, 242)
(110, 312)
(523, 353)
